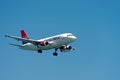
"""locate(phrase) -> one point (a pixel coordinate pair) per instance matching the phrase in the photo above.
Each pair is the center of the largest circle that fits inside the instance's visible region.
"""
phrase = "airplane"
(56, 42)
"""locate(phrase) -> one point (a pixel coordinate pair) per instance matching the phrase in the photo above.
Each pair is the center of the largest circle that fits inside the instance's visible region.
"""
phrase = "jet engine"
(65, 48)
(43, 43)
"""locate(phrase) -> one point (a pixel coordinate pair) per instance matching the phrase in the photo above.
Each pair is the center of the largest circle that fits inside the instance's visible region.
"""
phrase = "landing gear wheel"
(55, 54)
(39, 51)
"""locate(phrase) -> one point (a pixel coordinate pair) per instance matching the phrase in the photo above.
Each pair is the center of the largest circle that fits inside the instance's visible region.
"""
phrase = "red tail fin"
(24, 35)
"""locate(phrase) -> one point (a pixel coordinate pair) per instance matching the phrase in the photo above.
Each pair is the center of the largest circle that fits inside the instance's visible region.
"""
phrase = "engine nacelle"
(43, 43)
(65, 48)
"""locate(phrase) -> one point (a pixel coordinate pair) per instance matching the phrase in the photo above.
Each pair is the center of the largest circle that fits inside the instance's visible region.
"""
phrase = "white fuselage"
(54, 42)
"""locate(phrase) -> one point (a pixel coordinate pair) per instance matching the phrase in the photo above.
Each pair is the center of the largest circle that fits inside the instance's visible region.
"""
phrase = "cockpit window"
(69, 35)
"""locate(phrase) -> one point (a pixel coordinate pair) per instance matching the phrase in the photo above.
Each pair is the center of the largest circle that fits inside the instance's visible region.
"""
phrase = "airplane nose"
(74, 37)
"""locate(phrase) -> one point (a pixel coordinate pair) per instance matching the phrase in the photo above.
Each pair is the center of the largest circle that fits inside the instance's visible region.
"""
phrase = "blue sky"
(96, 24)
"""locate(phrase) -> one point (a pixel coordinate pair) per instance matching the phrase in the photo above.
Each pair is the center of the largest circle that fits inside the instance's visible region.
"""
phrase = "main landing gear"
(39, 51)
(55, 53)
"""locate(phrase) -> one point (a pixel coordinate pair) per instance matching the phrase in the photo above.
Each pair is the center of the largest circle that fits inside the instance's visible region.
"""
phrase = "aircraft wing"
(17, 45)
(23, 39)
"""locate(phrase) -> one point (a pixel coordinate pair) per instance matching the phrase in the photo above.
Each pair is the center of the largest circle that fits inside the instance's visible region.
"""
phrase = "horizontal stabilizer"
(17, 45)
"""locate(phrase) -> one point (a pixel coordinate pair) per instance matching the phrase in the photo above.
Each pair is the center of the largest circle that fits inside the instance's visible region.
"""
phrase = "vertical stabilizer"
(24, 35)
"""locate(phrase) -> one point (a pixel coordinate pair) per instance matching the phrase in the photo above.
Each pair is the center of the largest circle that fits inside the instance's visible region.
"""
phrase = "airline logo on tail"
(24, 35)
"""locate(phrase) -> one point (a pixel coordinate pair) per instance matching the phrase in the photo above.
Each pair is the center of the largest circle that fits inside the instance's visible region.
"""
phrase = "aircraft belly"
(30, 47)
